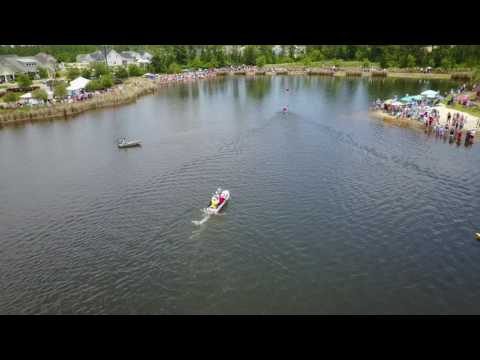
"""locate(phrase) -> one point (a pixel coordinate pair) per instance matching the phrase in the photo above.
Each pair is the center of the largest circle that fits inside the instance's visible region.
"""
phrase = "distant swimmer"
(285, 108)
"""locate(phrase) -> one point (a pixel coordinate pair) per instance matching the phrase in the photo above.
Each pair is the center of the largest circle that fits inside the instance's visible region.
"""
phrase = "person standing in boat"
(214, 202)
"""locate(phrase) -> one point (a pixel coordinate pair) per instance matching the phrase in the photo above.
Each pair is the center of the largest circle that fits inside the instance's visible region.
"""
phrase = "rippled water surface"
(331, 213)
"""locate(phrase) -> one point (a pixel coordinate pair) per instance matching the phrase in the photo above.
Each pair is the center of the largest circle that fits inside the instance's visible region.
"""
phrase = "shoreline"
(415, 124)
(124, 94)
(133, 88)
(393, 120)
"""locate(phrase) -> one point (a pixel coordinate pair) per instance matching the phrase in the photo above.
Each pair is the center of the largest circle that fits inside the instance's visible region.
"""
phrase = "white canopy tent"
(78, 84)
(29, 99)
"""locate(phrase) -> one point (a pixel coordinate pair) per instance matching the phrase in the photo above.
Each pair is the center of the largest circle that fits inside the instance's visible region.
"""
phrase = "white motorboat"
(225, 194)
(124, 143)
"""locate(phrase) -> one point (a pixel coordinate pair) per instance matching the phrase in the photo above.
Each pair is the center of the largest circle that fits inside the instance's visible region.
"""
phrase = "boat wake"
(204, 220)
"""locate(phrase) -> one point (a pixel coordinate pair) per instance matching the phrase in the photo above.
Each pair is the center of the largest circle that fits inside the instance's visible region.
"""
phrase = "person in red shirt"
(222, 199)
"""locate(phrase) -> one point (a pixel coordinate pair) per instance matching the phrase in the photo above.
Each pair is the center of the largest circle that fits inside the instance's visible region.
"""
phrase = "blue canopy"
(417, 97)
(406, 99)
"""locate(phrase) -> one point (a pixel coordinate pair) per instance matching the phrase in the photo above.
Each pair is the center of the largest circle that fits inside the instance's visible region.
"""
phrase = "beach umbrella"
(417, 97)
(406, 99)
(429, 93)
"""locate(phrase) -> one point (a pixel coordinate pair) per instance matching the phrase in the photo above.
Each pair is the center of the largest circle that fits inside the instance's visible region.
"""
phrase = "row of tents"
(428, 95)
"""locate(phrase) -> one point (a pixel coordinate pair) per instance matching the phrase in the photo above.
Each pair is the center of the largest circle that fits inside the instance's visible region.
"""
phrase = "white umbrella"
(429, 93)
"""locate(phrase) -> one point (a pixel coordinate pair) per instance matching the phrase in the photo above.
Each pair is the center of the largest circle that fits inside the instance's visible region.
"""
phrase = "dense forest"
(386, 56)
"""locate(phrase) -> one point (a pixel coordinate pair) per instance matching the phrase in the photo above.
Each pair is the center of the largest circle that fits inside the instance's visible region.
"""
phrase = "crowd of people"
(186, 76)
(423, 109)
(416, 110)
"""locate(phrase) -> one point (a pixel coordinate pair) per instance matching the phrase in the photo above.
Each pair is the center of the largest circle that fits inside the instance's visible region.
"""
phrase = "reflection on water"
(330, 206)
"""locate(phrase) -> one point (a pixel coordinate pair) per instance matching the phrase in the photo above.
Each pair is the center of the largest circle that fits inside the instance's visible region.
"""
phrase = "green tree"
(24, 81)
(106, 81)
(181, 54)
(411, 63)
(157, 64)
(121, 73)
(446, 64)
(100, 69)
(93, 85)
(174, 68)
(291, 52)
(195, 64)
(134, 70)
(307, 61)
(42, 72)
(60, 90)
(73, 73)
(317, 55)
(86, 73)
(10, 97)
(261, 61)
(249, 55)
(40, 94)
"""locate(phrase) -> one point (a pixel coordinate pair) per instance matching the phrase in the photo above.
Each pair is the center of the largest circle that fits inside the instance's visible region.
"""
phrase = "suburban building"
(129, 57)
(116, 59)
(46, 61)
(12, 65)
(96, 56)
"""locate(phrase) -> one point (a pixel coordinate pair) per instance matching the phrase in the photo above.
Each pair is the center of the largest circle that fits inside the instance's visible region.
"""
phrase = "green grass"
(471, 111)
(468, 110)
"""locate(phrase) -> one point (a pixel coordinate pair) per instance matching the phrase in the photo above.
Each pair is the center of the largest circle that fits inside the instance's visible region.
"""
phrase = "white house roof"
(78, 84)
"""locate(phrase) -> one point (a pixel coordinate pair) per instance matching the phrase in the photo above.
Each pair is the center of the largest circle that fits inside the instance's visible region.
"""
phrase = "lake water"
(332, 212)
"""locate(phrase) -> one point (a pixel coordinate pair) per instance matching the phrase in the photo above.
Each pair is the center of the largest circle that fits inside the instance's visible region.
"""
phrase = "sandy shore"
(401, 122)
(470, 124)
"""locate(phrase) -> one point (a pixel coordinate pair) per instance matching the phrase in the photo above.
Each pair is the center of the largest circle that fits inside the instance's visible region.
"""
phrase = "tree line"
(168, 58)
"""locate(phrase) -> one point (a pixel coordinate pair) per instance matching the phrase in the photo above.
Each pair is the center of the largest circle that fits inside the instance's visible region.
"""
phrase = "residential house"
(96, 56)
(114, 58)
(11, 65)
(46, 61)
(139, 58)
(129, 57)
(146, 56)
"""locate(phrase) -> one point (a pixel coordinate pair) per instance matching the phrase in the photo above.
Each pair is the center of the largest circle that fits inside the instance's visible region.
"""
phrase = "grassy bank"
(458, 107)
(419, 75)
